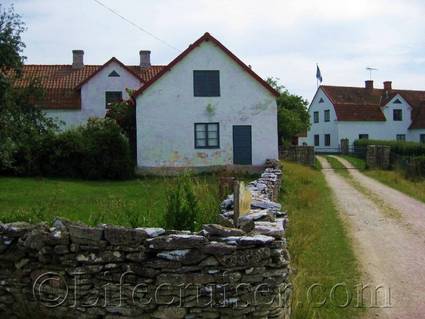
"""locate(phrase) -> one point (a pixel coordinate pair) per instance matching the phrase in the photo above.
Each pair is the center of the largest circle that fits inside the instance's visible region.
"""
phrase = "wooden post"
(236, 201)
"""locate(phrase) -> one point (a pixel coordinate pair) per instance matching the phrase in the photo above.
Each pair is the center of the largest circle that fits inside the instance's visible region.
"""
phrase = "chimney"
(145, 59)
(387, 86)
(77, 59)
(369, 85)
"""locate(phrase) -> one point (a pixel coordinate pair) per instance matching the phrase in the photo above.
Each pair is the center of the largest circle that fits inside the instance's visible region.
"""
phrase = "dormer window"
(398, 115)
(397, 101)
(114, 74)
(321, 100)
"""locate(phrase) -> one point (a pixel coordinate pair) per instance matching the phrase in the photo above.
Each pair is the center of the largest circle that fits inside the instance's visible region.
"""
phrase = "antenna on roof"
(370, 69)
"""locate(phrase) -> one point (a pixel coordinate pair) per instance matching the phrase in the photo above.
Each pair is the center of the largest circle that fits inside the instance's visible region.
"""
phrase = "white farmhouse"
(75, 92)
(206, 108)
(352, 113)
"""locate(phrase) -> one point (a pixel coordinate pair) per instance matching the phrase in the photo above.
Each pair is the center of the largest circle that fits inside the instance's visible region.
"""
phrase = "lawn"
(139, 202)
(394, 179)
(320, 250)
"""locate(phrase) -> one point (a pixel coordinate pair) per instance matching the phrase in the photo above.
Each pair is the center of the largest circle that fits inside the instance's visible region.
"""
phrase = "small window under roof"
(321, 100)
(114, 74)
(397, 101)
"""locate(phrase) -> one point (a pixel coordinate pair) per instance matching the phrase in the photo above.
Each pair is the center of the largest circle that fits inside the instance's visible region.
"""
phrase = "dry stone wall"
(71, 270)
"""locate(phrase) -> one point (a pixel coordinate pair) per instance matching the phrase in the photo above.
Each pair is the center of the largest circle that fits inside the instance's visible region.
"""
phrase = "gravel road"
(391, 250)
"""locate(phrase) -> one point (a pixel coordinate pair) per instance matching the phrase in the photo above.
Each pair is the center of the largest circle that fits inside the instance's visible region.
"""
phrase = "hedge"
(96, 150)
(397, 147)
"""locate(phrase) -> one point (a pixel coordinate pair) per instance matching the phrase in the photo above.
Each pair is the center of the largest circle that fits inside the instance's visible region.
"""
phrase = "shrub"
(106, 152)
(124, 113)
(397, 147)
(182, 205)
(96, 150)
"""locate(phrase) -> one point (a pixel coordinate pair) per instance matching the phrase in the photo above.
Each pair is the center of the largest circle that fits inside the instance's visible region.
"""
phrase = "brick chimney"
(387, 86)
(77, 59)
(145, 59)
(369, 85)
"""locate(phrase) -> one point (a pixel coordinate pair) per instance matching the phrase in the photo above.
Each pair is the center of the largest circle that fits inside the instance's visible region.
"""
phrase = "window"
(401, 137)
(327, 115)
(397, 115)
(316, 140)
(206, 83)
(321, 100)
(327, 140)
(397, 101)
(422, 138)
(316, 117)
(207, 135)
(112, 97)
(363, 136)
(114, 74)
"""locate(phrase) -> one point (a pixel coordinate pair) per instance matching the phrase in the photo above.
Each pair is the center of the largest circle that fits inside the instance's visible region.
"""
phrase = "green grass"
(140, 202)
(321, 251)
(396, 180)
(357, 162)
(337, 166)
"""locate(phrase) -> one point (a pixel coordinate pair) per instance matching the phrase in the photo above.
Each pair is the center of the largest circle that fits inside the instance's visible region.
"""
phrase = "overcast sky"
(282, 38)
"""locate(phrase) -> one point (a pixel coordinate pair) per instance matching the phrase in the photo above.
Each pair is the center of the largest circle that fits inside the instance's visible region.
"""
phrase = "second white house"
(338, 112)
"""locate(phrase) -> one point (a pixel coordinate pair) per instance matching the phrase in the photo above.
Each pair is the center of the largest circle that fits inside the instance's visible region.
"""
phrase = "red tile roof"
(61, 83)
(206, 37)
(361, 104)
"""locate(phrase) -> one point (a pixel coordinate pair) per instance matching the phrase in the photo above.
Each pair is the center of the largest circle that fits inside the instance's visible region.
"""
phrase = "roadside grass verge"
(394, 178)
(320, 249)
(397, 180)
(139, 202)
(357, 162)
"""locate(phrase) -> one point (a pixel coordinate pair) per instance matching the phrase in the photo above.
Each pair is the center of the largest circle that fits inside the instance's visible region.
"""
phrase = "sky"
(283, 38)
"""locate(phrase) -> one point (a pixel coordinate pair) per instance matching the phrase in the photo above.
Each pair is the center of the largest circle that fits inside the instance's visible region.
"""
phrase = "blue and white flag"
(318, 74)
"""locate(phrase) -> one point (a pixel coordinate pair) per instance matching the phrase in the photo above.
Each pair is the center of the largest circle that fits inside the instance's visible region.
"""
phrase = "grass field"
(394, 179)
(320, 250)
(140, 202)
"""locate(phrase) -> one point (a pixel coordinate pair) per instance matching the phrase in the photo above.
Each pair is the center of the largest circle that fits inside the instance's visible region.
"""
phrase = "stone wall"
(378, 156)
(71, 270)
(301, 154)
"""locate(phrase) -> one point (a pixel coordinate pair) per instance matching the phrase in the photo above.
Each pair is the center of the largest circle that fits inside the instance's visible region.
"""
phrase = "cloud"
(281, 38)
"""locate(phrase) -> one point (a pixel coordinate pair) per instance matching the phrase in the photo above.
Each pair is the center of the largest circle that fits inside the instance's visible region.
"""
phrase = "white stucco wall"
(167, 111)
(322, 127)
(415, 135)
(93, 95)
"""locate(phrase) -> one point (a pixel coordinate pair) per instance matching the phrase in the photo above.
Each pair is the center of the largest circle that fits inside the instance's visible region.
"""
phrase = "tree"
(292, 112)
(21, 122)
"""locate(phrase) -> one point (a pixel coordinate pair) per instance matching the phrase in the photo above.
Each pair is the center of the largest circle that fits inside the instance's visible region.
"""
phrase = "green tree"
(292, 112)
(21, 123)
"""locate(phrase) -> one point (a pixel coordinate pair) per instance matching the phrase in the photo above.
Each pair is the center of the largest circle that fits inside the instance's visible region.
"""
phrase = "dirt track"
(391, 250)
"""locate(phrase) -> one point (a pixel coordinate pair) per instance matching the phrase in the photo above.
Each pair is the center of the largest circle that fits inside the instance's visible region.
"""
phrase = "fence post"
(344, 146)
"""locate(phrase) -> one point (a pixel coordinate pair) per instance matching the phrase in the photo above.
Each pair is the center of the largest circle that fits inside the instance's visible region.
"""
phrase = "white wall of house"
(167, 111)
(321, 128)
(93, 95)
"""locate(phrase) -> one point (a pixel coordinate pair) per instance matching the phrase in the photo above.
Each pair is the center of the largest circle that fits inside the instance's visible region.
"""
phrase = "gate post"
(344, 146)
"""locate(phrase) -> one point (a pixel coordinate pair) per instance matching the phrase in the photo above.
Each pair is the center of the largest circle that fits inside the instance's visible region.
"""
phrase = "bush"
(106, 152)
(96, 150)
(397, 147)
(124, 113)
(182, 205)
